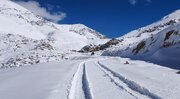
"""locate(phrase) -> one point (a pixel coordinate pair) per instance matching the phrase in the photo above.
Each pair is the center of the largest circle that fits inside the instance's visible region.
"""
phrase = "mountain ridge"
(28, 39)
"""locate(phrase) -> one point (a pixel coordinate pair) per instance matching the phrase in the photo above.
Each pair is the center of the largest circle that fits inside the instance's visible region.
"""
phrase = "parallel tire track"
(114, 81)
(74, 81)
(80, 74)
(85, 83)
(131, 84)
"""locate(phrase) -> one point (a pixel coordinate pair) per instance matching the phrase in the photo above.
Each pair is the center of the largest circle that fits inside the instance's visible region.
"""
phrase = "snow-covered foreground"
(98, 78)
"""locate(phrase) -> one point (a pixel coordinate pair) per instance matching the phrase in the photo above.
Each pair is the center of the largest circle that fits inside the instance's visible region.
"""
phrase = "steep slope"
(158, 42)
(18, 20)
(28, 39)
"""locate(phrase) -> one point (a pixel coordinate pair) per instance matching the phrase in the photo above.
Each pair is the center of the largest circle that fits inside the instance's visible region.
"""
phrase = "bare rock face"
(140, 46)
(167, 42)
(168, 34)
(157, 27)
(178, 72)
(94, 48)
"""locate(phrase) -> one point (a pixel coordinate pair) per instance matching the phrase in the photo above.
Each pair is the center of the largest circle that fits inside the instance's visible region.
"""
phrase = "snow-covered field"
(93, 78)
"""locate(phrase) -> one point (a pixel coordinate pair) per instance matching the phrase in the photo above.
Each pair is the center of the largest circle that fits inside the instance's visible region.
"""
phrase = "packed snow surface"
(93, 78)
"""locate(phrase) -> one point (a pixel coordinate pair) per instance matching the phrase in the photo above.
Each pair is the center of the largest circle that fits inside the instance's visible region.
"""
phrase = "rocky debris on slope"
(31, 58)
(43, 46)
(157, 27)
(26, 51)
(93, 48)
(171, 38)
(11, 42)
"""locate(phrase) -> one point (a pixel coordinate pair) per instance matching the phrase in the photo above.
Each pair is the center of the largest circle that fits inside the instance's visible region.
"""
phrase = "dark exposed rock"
(140, 46)
(178, 72)
(92, 53)
(168, 34)
(93, 48)
(126, 62)
(158, 27)
(168, 44)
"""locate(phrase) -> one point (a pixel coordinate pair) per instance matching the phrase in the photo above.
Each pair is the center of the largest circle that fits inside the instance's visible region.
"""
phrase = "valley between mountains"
(40, 59)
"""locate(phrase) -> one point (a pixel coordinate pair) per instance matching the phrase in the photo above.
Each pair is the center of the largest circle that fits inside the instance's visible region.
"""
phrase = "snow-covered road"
(98, 78)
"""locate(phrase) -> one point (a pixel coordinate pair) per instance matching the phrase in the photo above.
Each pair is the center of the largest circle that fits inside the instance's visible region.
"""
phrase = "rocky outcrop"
(140, 46)
(157, 27)
(178, 72)
(93, 48)
(167, 41)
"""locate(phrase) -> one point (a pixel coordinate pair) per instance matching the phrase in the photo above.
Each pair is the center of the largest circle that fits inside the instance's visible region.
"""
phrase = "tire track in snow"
(74, 83)
(85, 83)
(79, 75)
(116, 83)
(131, 84)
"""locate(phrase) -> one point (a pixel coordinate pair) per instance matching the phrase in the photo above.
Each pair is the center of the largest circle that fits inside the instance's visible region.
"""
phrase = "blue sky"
(112, 18)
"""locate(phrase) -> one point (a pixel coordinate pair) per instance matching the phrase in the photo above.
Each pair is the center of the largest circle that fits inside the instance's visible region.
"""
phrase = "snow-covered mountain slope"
(158, 42)
(18, 20)
(17, 50)
(21, 31)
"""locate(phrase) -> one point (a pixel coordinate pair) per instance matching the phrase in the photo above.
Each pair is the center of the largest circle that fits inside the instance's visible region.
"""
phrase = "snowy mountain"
(23, 33)
(158, 42)
(59, 71)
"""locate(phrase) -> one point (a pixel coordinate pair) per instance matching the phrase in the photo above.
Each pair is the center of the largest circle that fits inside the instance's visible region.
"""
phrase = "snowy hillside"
(158, 42)
(21, 32)
(25, 23)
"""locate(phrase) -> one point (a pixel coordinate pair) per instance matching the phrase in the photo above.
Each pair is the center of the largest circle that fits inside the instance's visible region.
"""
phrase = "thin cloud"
(149, 1)
(133, 2)
(36, 8)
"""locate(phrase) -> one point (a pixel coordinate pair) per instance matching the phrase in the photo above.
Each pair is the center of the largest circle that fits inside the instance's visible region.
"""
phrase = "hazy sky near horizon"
(112, 18)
